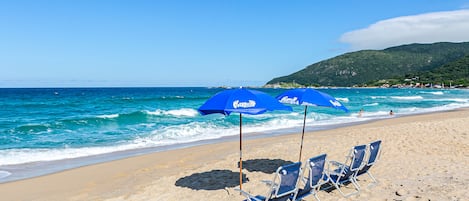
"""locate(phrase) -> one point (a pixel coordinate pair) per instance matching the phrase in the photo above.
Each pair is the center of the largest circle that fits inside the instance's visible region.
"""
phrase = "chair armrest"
(325, 177)
(337, 170)
(335, 163)
(333, 173)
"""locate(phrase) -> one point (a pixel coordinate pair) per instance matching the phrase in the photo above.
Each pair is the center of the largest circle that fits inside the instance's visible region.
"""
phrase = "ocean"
(51, 129)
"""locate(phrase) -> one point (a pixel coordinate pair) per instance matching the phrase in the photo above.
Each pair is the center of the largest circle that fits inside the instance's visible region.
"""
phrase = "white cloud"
(450, 26)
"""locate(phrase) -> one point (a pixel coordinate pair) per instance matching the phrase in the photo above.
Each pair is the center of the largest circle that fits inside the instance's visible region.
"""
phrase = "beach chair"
(374, 154)
(316, 177)
(283, 187)
(345, 173)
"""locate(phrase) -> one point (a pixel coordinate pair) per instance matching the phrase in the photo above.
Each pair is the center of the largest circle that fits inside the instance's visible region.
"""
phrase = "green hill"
(367, 67)
(454, 73)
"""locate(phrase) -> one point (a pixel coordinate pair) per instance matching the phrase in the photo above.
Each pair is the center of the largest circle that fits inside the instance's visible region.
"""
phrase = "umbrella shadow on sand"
(212, 180)
(267, 166)
(221, 179)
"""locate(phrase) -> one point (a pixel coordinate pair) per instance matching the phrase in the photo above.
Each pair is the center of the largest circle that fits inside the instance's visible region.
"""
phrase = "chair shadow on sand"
(221, 179)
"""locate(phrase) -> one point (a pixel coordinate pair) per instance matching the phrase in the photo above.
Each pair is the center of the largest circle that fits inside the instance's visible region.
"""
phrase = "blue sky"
(203, 43)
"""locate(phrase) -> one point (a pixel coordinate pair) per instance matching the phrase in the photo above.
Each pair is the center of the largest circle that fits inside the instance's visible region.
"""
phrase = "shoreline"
(144, 176)
(19, 172)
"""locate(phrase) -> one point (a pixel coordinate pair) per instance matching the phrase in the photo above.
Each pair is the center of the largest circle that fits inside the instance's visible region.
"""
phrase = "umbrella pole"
(240, 152)
(303, 133)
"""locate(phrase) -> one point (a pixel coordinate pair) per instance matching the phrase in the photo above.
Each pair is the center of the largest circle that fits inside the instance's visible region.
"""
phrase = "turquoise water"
(38, 125)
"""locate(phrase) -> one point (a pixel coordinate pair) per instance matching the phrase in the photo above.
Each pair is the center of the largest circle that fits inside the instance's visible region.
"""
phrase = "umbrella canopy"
(242, 101)
(309, 97)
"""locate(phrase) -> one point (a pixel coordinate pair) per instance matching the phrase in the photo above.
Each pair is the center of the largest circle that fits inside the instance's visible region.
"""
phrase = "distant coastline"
(418, 86)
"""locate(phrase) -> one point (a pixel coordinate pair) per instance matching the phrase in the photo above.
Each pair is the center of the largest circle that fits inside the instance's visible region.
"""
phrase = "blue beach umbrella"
(242, 101)
(309, 97)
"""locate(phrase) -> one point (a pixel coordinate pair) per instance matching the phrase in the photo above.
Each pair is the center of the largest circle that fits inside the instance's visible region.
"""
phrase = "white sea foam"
(108, 116)
(20, 156)
(156, 112)
(190, 132)
(312, 119)
(272, 115)
(178, 97)
(437, 93)
(407, 97)
(274, 124)
(344, 100)
(432, 92)
(410, 110)
(4, 174)
(375, 114)
(459, 100)
(187, 112)
(147, 125)
(371, 104)
(451, 106)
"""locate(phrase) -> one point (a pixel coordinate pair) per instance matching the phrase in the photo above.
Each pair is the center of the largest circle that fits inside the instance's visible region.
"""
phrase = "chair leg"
(356, 181)
(373, 178)
(315, 194)
(337, 186)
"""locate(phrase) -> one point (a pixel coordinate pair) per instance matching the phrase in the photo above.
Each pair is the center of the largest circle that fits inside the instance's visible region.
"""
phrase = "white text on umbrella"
(250, 103)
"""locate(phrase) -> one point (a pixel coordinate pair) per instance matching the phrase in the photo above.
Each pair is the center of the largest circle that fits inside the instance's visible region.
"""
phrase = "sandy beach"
(424, 157)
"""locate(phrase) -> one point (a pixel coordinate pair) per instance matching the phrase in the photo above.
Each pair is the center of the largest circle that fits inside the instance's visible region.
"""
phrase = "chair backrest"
(375, 148)
(373, 156)
(316, 174)
(358, 154)
(288, 179)
(316, 169)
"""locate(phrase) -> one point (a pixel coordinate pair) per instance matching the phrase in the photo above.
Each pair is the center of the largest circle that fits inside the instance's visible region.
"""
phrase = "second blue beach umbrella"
(309, 97)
